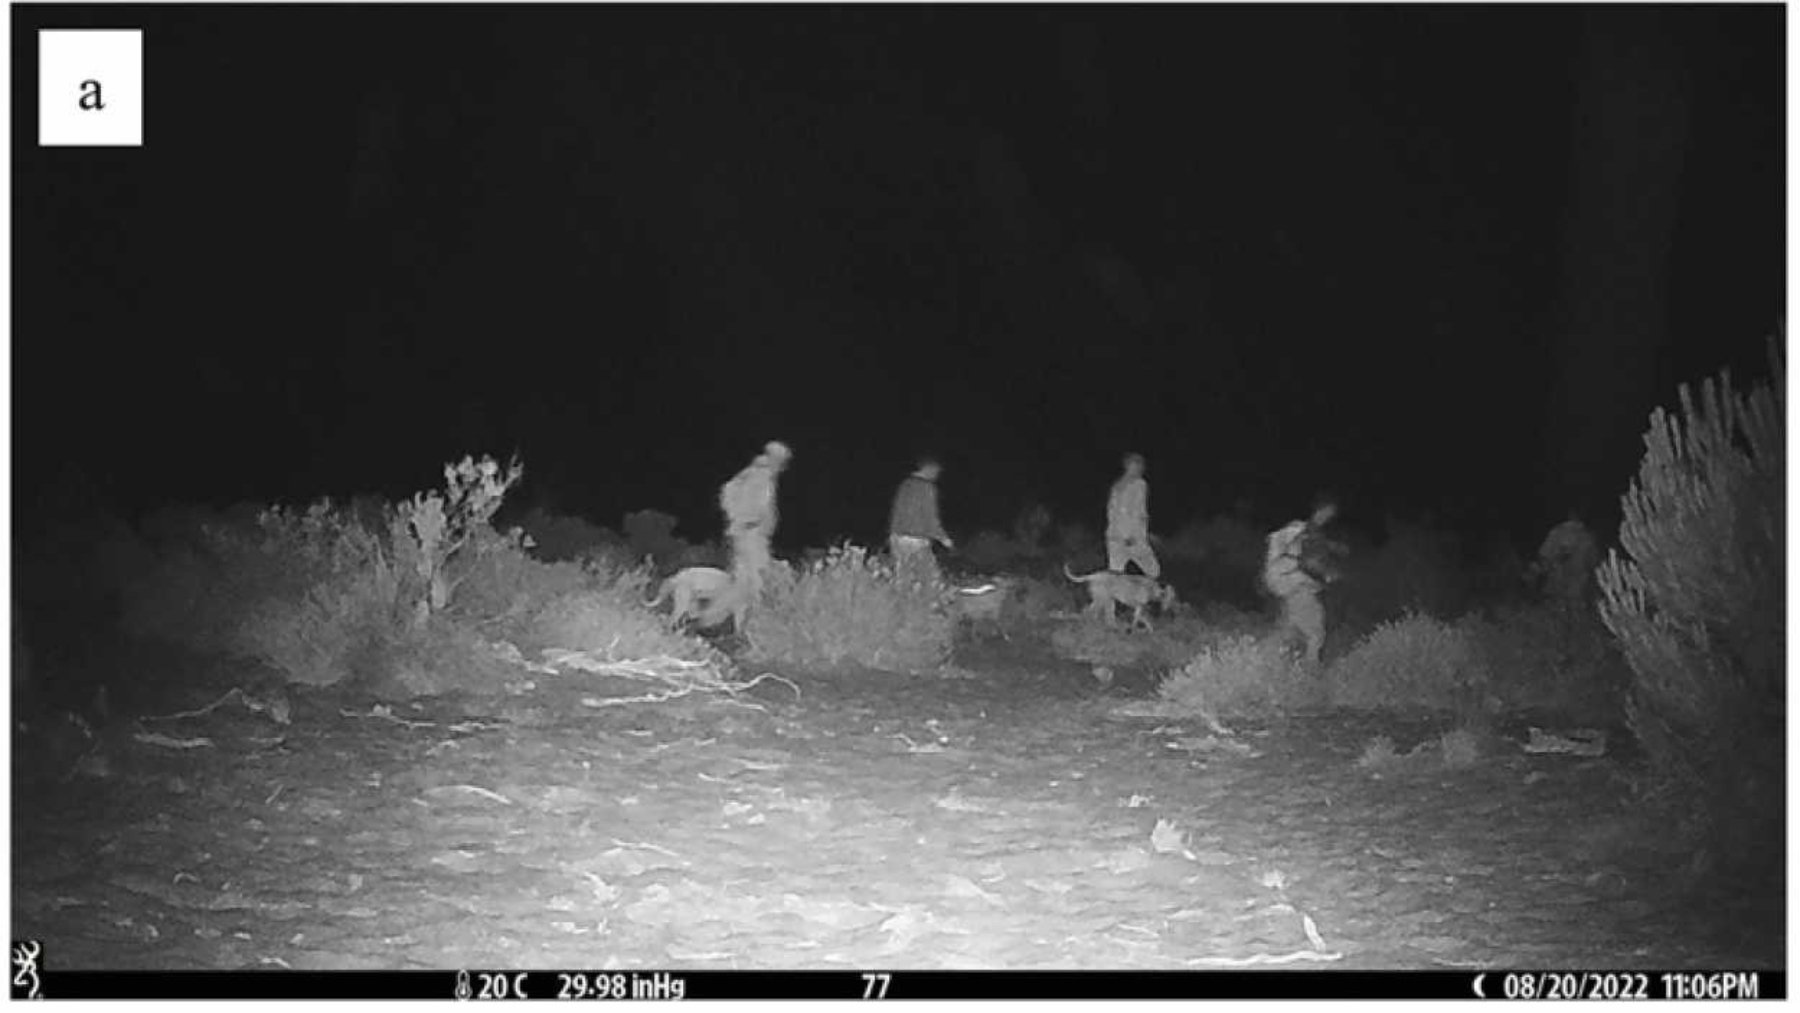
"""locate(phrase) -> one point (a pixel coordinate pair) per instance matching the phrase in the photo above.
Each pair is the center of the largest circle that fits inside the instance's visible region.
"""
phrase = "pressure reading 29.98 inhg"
(618, 985)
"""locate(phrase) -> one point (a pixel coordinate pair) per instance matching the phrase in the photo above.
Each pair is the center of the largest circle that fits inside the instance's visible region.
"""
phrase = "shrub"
(609, 618)
(1094, 643)
(1079, 546)
(1241, 675)
(559, 538)
(437, 536)
(1413, 663)
(1460, 747)
(1697, 602)
(713, 553)
(317, 588)
(70, 577)
(505, 585)
(1545, 658)
(1171, 642)
(75, 562)
(1038, 599)
(991, 551)
(1498, 573)
(592, 607)
(1226, 541)
(206, 581)
(1226, 619)
(1223, 558)
(651, 534)
(169, 599)
(316, 593)
(186, 523)
(1031, 527)
(851, 607)
(442, 657)
(1378, 752)
(312, 636)
(1416, 570)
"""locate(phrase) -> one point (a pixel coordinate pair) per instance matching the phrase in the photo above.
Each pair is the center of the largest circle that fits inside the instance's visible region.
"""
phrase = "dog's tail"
(1079, 580)
(663, 591)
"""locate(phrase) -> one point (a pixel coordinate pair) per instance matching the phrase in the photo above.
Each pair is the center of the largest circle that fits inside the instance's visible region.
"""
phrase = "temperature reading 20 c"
(491, 985)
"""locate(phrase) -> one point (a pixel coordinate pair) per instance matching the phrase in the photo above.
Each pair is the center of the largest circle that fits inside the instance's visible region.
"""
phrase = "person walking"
(1128, 521)
(748, 501)
(1296, 569)
(913, 523)
(1565, 565)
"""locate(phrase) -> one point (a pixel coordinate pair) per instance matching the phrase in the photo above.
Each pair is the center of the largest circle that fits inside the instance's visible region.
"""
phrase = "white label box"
(91, 88)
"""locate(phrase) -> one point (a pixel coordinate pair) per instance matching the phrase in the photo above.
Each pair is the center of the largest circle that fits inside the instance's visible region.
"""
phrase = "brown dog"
(1108, 589)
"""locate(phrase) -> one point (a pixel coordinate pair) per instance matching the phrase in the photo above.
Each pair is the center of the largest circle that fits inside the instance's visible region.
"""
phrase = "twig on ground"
(209, 708)
(1266, 958)
(383, 712)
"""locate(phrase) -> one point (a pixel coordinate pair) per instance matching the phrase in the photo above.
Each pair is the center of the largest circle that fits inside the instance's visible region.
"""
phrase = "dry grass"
(851, 608)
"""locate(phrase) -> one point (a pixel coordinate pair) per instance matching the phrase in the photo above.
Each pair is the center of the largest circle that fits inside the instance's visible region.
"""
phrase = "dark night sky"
(1276, 249)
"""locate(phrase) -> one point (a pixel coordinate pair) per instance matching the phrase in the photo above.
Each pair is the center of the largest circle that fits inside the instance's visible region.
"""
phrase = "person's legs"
(749, 556)
(1117, 555)
(1308, 614)
(913, 557)
(1145, 557)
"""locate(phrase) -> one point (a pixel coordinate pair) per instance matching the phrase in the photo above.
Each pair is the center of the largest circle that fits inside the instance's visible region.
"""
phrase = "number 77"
(875, 986)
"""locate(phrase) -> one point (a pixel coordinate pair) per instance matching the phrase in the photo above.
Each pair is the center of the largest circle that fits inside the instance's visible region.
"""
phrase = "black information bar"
(477, 985)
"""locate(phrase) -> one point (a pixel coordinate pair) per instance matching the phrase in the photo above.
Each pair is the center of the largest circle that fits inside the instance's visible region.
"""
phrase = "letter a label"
(91, 88)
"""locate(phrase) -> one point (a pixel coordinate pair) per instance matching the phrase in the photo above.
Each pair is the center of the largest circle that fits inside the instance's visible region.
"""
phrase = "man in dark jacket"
(913, 523)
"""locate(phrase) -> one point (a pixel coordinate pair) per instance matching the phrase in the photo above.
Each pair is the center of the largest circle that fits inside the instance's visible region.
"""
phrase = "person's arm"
(894, 508)
(937, 522)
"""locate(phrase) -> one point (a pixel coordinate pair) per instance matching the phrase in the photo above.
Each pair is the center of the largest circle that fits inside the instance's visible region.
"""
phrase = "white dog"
(705, 594)
(1109, 589)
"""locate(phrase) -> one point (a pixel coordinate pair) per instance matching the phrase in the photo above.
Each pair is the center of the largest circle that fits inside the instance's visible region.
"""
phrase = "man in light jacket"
(913, 523)
(1128, 521)
(748, 501)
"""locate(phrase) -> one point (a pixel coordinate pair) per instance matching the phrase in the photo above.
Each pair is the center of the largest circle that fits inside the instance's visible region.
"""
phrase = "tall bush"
(316, 592)
(1697, 601)
(851, 607)
(437, 536)
(1415, 662)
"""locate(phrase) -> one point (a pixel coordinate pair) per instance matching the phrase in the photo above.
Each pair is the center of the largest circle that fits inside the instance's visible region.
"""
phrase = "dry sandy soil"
(1021, 815)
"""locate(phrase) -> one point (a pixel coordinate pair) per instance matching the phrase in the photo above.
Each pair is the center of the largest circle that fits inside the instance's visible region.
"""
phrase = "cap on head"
(777, 449)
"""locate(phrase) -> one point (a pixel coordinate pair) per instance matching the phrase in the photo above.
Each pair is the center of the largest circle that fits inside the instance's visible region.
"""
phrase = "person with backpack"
(1300, 561)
